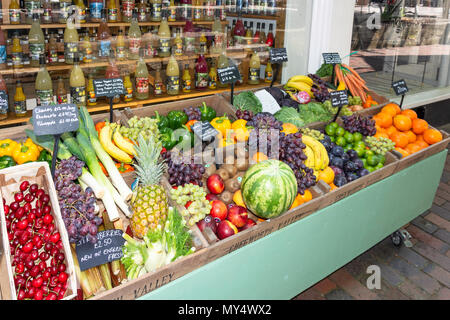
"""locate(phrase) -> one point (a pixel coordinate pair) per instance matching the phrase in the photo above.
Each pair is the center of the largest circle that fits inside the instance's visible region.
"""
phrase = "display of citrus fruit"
(412, 148)
(402, 122)
(327, 175)
(411, 136)
(384, 120)
(400, 139)
(409, 113)
(392, 109)
(432, 136)
(419, 126)
(391, 130)
(402, 151)
(307, 196)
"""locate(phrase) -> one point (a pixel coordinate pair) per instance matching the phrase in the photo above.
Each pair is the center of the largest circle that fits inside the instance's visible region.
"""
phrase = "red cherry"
(35, 271)
(62, 267)
(37, 282)
(45, 198)
(18, 197)
(47, 209)
(39, 295)
(34, 254)
(63, 277)
(39, 193)
(19, 213)
(51, 227)
(22, 224)
(14, 206)
(55, 237)
(27, 207)
(42, 265)
(21, 294)
(20, 268)
(6, 209)
(29, 198)
(28, 247)
(24, 186)
(51, 296)
(31, 291)
(33, 188)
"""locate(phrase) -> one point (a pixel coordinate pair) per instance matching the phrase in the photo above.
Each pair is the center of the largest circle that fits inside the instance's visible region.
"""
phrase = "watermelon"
(269, 188)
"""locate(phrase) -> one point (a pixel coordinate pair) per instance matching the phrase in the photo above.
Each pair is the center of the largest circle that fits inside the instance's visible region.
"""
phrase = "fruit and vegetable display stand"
(133, 221)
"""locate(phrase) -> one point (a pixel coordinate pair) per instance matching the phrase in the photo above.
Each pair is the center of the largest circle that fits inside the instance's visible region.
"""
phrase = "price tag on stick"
(55, 120)
(109, 88)
(400, 88)
(332, 58)
(277, 56)
(229, 75)
(338, 99)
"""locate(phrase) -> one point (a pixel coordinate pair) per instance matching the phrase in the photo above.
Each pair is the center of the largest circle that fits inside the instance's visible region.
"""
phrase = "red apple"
(250, 223)
(211, 197)
(238, 216)
(208, 222)
(215, 184)
(219, 210)
(226, 229)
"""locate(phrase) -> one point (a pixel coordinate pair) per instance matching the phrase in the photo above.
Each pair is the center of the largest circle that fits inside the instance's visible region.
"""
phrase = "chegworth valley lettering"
(252, 238)
(153, 285)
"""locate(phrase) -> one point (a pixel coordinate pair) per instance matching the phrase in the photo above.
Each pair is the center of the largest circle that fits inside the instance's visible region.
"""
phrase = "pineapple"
(149, 201)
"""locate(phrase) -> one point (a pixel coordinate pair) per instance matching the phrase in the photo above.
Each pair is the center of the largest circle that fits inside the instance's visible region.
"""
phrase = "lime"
(361, 151)
(382, 159)
(330, 130)
(333, 139)
(350, 146)
(340, 141)
(372, 160)
(334, 125)
(364, 161)
(370, 168)
(340, 131)
(369, 153)
(357, 136)
(379, 166)
(348, 137)
(359, 144)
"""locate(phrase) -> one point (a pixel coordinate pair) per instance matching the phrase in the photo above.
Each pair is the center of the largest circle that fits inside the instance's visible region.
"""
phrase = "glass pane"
(402, 39)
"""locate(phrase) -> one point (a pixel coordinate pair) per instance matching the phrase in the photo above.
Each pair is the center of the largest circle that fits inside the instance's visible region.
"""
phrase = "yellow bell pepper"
(30, 142)
(241, 131)
(23, 153)
(7, 147)
(289, 128)
(221, 124)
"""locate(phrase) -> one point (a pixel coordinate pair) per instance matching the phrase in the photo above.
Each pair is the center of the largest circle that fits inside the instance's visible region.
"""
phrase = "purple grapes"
(244, 114)
(193, 113)
(361, 124)
(181, 173)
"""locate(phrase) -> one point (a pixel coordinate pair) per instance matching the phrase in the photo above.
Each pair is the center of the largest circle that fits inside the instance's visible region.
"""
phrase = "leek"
(72, 145)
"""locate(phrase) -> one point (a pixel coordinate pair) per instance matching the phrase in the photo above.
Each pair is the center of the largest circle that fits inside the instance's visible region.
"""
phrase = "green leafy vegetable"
(289, 115)
(247, 100)
(325, 70)
(313, 112)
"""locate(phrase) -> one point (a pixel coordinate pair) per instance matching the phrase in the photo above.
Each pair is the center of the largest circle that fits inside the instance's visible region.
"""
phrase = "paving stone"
(443, 212)
(444, 186)
(358, 266)
(309, 294)
(443, 294)
(413, 292)
(412, 257)
(415, 275)
(388, 292)
(445, 176)
(325, 286)
(338, 294)
(438, 273)
(443, 194)
(424, 225)
(418, 234)
(437, 220)
(390, 275)
(439, 201)
(352, 286)
(442, 234)
(433, 255)
(385, 250)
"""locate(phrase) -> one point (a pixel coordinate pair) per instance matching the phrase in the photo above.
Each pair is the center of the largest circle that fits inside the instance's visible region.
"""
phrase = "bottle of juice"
(262, 35)
(3, 55)
(127, 10)
(201, 73)
(241, 72)
(87, 49)
(134, 40)
(17, 53)
(142, 81)
(77, 84)
(221, 64)
(46, 11)
(178, 44)
(198, 12)
(112, 72)
(81, 18)
(20, 105)
(61, 92)
(128, 88)
(254, 69)
(158, 89)
(203, 47)
(91, 98)
(256, 36)
(14, 12)
(219, 37)
(63, 10)
(189, 38)
(239, 32)
(249, 34)
(104, 38)
(147, 43)
(95, 9)
(156, 10)
(270, 39)
(120, 46)
(70, 43)
(52, 50)
(172, 11)
(186, 9)
(36, 42)
(268, 73)
(43, 85)
(164, 38)
(230, 39)
(112, 11)
(172, 77)
(33, 6)
(187, 81)
(212, 77)
(142, 11)
(3, 109)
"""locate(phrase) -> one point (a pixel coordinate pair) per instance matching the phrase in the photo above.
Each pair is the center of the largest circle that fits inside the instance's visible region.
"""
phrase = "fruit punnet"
(269, 188)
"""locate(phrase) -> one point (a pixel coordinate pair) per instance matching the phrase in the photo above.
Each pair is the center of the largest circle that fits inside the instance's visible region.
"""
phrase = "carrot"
(350, 86)
(358, 82)
(353, 72)
(361, 93)
(338, 72)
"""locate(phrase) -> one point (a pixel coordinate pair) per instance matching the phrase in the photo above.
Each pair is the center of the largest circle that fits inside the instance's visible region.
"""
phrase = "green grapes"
(316, 134)
(145, 126)
(199, 208)
(381, 145)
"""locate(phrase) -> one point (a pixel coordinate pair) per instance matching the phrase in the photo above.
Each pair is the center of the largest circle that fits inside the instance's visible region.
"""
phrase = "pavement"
(421, 272)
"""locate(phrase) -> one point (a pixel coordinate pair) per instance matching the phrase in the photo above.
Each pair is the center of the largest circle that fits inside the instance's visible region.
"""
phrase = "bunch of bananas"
(115, 144)
(316, 153)
(300, 83)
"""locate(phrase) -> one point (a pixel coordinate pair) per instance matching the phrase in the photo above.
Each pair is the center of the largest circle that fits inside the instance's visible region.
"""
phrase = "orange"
(381, 135)
(391, 130)
(421, 143)
(432, 136)
(412, 148)
(411, 136)
(400, 139)
(384, 120)
(297, 201)
(307, 196)
(419, 126)
(403, 152)
(409, 113)
(333, 186)
(327, 175)
(259, 156)
(420, 137)
(391, 108)
(402, 122)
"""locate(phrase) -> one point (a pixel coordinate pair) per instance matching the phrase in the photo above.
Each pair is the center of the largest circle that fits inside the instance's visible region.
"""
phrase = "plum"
(363, 172)
(340, 180)
(338, 151)
(350, 166)
(345, 157)
(337, 171)
(352, 154)
(337, 162)
(359, 163)
(351, 177)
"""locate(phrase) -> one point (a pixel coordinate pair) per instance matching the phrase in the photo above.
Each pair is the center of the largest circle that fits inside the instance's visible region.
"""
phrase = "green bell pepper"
(186, 140)
(45, 156)
(166, 138)
(208, 113)
(177, 119)
(6, 162)
(163, 121)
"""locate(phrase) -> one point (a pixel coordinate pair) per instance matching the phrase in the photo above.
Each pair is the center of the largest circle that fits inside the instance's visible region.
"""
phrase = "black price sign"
(55, 119)
(4, 102)
(204, 130)
(109, 87)
(331, 58)
(339, 98)
(278, 55)
(229, 75)
(400, 87)
(108, 248)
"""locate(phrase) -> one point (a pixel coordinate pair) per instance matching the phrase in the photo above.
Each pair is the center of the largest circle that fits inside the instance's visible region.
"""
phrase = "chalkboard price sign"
(228, 75)
(109, 87)
(331, 58)
(55, 119)
(400, 87)
(108, 248)
(339, 98)
(278, 55)
(204, 130)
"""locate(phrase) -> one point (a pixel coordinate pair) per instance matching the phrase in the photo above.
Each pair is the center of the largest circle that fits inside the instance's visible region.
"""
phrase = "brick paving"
(421, 272)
